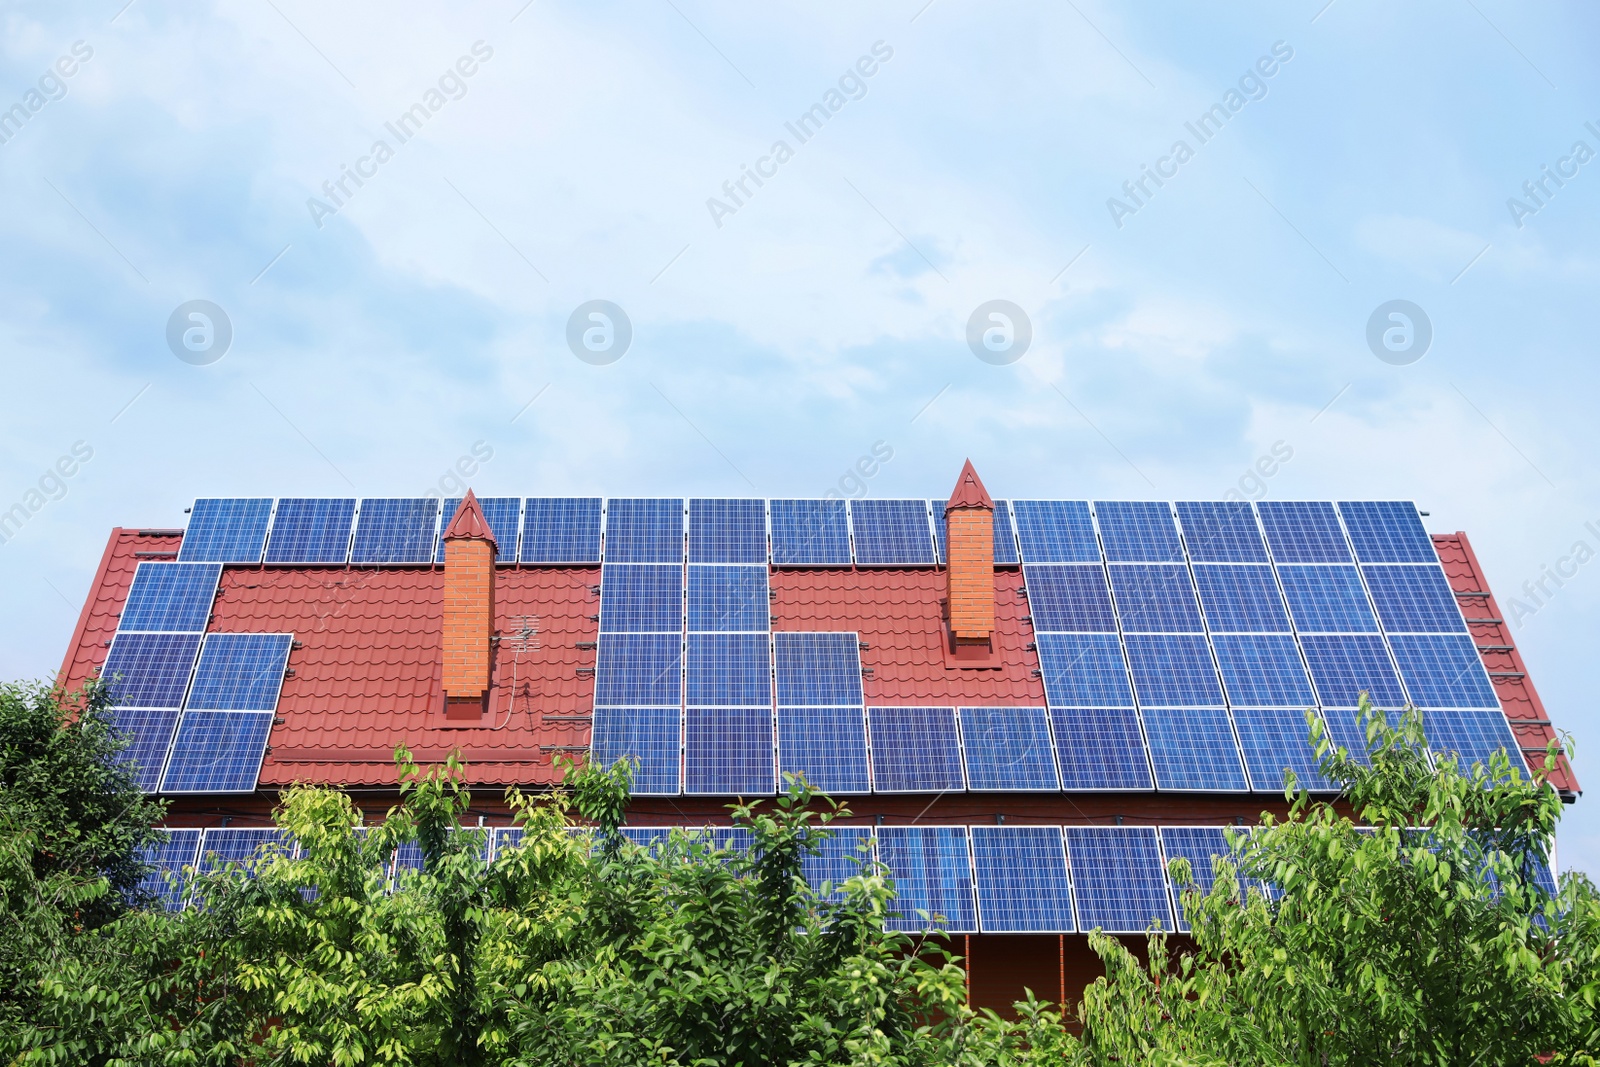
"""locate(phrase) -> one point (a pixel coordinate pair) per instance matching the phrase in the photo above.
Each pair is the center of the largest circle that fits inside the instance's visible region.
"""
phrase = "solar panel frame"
(1387, 531)
(395, 531)
(1008, 749)
(1117, 876)
(179, 849)
(241, 844)
(639, 670)
(1055, 531)
(1155, 598)
(239, 672)
(1194, 750)
(932, 871)
(1303, 531)
(1273, 739)
(1342, 665)
(561, 530)
(915, 750)
(1138, 531)
(504, 516)
(502, 839)
(821, 669)
(728, 598)
(891, 533)
(1262, 671)
(729, 752)
(226, 530)
(839, 857)
(1197, 844)
(217, 752)
(149, 732)
(1173, 671)
(1443, 671)
(1240, 598)
(727, 530)
(1472, 734)
(1327, 598)
(729, 670)
(1413, 598)
(827, 745)
(810, 533)
(1100, 749)
(641, 598)
(1020, 880)
(644, 530)
(311, 531)
(170, 597)
(1069, 598)
(150, 670)
(1221, 531)
(1084, 671)
(651, 736)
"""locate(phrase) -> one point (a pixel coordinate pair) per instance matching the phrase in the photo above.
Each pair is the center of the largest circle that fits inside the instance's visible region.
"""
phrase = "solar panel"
(1197, 844)
(217, 752)
(1193, 749)
(1138, 531)
(891, 533)
(1303, 531)
(1118, 884)
(649, 738)
(1008, 749)
(915, 750)
(1240, 599)
(504, 516)
(174, 597)
(641, 598)
(311, 530)
(1173, 671)
(1387, 531)
(1020, 874)
(810, 533)
(1473, 736)
(818, 669)
(1344, 730)
(1005, 542)
(505, 839)
(1100, 748)
(1221, 531)
(1068, 598)
(730, 670)
(1327, 599)
(149, 670)
(394, 531)
(1414, 599)
(560, 530)
(728, 751)
(240, 672)
(1055, 531)
(1262, 671)
(168, 882)
(644, 531)
(639, 670)
(1443, 671)
(728, 531)
(1084, 671)
(242, 845)
(932, 874)
(826, 745)
(838, 858)
(728, 598)
(1155, 598)
(226, 530)
(1276, 739)
(1344, 666)
(149, 734)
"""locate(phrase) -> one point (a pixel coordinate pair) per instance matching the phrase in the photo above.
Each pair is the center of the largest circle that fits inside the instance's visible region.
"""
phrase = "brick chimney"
(969, 573)
(469, 553)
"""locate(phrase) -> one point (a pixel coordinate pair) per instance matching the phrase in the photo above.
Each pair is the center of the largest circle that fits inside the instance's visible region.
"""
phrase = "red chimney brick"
(469, 553)
(969, 571)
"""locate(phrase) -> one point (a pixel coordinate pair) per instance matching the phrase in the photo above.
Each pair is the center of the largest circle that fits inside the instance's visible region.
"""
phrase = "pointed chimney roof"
(469, 523)
(969, 492)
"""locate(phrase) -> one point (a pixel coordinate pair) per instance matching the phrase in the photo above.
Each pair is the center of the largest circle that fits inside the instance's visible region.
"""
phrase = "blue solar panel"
(1275, 739)
(1005, 542)
(149, 733)
(1193, 748)
(505, 840)
(647, 837)
(838, 858)
(168, 882)
(818, 669)
(649, 738)
(174, 597)
(1084, 671)
(1473, 736)
(311, 530)
(810, 533)
(728, 598)
(1173, 671)
(1197, 844)
(1066, 598)
(407, 858)
(1138, 531)
(644, 531)
(1020, 873)
(1327, 599)
(1262, 671)
(240, 672)
(1387, 531)
(1303, 531)
(1343, 667)
(728, 531)
(641, 598)
(226, 530)
(1344, 730)
(1008, 749)
(560, 529)
(827, 745)
(891, 533)
(1100, 748)
(1221, 531)
(394, 531)
(1155, 598)
(915, 750)
(1118, 884)
(729, 670)
(932, 874)
(504, 516)
(728, 751)
(1055, 531)
(1443, 671)
(639, 670)
(217, 752)
(1240, 599)
(1414, 599)
(149, 670)
(247, 845)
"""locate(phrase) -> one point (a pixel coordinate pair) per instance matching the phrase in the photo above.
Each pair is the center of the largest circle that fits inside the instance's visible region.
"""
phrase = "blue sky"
(774, 346)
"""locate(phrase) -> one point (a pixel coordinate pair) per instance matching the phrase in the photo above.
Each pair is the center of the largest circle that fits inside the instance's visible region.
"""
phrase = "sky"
(761, 335)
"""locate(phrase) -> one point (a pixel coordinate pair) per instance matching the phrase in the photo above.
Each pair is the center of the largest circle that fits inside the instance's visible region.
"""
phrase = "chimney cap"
(469, 523)
(969, 491)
